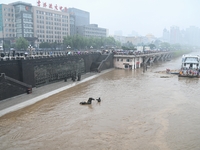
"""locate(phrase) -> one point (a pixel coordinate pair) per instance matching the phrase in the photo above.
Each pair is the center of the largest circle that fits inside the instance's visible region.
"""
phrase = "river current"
(138, 111)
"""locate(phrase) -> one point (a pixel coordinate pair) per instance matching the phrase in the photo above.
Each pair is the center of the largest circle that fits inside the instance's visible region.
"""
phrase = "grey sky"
(142, 16)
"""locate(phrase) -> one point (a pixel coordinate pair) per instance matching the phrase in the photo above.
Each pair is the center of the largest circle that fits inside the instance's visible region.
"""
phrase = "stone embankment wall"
(42, 71)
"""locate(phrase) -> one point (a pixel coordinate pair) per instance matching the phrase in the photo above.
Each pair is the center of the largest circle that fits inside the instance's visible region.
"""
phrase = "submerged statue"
(89, 101)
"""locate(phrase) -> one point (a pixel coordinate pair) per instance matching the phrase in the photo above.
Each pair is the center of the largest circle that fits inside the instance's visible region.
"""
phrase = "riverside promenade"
(40, 93)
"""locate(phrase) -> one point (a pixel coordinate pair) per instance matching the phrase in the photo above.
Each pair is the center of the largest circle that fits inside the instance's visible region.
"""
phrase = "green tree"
(165, 45)
(45, 45)
(21, 43)
(80, 42)
(54, 45)
(157, 43)
(68, 41)
(152, 46)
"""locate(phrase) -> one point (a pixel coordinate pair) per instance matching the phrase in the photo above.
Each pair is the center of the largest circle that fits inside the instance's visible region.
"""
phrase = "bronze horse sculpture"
(89, 101)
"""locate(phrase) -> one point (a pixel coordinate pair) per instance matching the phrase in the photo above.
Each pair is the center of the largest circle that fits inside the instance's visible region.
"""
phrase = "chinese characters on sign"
(51, 6)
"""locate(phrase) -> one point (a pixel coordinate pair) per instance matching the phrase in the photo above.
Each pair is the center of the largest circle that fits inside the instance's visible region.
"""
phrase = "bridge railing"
(40, 54)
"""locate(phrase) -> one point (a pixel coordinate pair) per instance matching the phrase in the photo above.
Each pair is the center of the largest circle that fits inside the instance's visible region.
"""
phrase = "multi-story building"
(121, 39)
(7, 24)
(175, 35)
(78, 18)
(166, 35)
(72, 24)
(44, 23)
(34, 23)
(91, 30)
(81, 17)
(50, 25)
(188, 36)
(80, 24)
(193, 35)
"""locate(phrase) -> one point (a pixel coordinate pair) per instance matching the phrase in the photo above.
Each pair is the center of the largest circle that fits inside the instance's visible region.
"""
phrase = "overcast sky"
(142, 16)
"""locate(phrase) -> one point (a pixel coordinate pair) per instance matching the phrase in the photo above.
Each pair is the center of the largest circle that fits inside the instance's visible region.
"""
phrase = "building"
(44, 23)
(80, 24)
(127, 61)
(193, 35)
(37, 24)
(7, 24)
(81, 17)
(72, 25)
(91, 30)
(121, 39)
(175, 36)
(188, 36)
(50, 25)
(78, 18)
(166, 35)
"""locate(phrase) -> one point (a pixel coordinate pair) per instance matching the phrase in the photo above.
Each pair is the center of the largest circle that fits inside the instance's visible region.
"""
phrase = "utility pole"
(144, 65)
(134, 61)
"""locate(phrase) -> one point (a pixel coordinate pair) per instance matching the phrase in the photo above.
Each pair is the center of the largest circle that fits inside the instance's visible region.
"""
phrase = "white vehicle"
(1, 48)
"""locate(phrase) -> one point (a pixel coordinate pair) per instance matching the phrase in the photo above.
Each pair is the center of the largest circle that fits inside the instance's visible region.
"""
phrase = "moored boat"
(190, 66)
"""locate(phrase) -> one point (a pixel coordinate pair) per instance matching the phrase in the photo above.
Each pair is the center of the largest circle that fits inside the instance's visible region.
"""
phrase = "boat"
(190, 66)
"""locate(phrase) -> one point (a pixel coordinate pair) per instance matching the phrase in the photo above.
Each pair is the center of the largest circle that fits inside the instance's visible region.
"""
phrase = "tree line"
(78, 42)
(83, 43)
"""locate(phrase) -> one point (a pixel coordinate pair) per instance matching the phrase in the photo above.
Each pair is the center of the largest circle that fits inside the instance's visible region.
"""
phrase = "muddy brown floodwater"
(138, 111)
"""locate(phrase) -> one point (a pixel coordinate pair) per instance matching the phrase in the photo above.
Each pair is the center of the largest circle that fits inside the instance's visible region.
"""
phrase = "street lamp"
(68, 47)
(30, 49)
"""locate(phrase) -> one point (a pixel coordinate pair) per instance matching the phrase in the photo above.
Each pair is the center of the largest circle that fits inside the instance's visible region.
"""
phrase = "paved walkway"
(23, 100)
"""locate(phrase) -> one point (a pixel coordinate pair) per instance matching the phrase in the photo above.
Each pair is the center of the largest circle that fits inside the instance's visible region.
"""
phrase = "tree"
(152, 46)
(68, 41)
(21, 43)
(165, 45)
(157, 43)
(80, 42)
(45, 45)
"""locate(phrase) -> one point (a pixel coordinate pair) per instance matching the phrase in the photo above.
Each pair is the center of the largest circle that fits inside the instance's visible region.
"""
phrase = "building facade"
(44, 23)
(36, 24)
(50, 25)
(7, 24)
(188, 36)
(166, 35)
(91, 30)
(175, 35)
(127, 61)
(81, 17)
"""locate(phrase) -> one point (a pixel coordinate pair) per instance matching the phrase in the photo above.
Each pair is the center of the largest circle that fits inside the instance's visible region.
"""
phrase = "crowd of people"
(15, 55)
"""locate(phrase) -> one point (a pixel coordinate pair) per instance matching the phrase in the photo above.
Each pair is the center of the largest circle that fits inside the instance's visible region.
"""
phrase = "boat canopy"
(191, 60)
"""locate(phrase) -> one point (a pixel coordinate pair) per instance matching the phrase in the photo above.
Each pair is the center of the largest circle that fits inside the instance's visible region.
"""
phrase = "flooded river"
(138, 111)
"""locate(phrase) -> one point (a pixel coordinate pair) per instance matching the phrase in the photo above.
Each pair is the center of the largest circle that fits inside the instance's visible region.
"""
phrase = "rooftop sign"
(56, 7)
